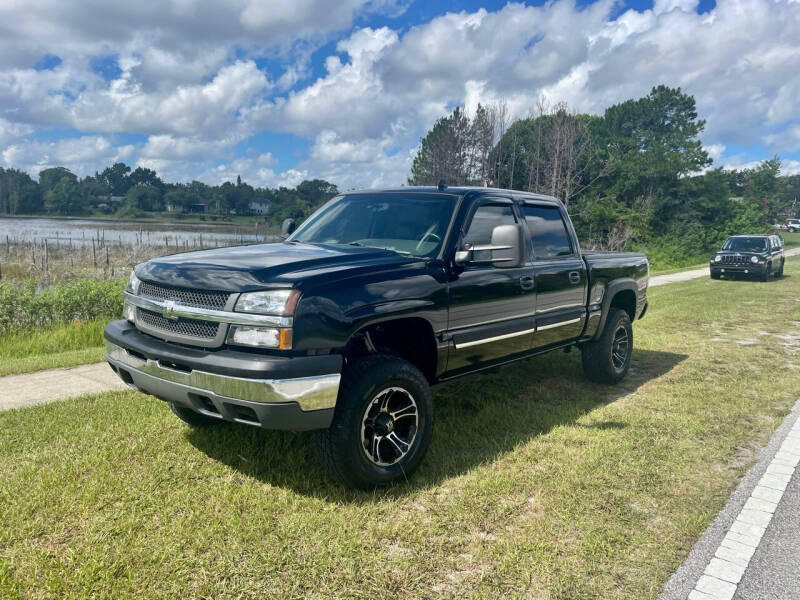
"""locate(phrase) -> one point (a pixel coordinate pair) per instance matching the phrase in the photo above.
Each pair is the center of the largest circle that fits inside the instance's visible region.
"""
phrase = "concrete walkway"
(696, 273)
(56, 384)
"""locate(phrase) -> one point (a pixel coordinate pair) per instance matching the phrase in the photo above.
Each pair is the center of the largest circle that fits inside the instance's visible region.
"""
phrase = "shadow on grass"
(477, 419)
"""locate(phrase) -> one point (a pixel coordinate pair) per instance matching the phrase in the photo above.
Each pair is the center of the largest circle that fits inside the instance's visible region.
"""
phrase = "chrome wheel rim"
(620, 348)
(389, 426)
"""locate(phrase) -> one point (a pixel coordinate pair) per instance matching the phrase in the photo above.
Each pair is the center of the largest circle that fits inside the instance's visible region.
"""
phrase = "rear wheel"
(607, 359)
(193, 418)
(382, 425)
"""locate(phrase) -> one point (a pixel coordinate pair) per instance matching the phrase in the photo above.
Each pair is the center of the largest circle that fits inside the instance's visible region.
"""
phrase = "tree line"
(127, 192)
(636, 176)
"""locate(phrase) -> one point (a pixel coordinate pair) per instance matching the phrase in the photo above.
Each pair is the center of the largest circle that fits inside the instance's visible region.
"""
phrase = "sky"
(282, 91)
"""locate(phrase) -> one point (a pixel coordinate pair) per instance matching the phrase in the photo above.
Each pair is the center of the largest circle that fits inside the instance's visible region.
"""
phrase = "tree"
(117, 179)
(19, 194)
(49, 178)
(546, 153)
(444, 152)
(143, 176)
(144, 197)
(65, 197)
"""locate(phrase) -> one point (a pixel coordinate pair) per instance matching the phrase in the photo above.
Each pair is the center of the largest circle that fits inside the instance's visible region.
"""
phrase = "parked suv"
(752, 255)
(379, 295)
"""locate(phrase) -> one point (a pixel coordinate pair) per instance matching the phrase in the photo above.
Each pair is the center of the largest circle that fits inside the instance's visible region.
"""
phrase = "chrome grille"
(185, 327)
(187, 297)
(730, 259)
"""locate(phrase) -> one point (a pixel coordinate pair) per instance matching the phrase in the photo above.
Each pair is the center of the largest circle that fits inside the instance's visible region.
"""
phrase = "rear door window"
(548, 231)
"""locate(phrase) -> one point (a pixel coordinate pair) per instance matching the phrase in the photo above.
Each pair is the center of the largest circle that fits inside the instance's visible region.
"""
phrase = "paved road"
(738, 558)
(774, 570)
(695, 274)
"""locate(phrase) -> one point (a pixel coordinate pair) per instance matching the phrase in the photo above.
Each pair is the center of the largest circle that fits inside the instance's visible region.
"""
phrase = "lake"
(168, 233)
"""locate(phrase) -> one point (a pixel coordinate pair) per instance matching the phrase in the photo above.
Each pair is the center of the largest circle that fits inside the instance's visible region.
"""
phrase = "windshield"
(745, 244)
(413, 224)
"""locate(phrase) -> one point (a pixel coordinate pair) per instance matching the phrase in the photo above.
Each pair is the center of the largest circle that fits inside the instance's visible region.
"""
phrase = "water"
(169, 233)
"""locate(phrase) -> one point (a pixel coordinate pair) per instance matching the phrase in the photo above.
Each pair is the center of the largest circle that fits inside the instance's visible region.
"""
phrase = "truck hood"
(245, 268)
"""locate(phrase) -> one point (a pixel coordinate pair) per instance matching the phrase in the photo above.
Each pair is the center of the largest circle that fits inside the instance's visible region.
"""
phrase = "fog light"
(260, 337)
(129, 312)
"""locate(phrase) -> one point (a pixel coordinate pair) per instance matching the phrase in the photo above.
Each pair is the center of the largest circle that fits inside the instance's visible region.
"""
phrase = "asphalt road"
(774, 570)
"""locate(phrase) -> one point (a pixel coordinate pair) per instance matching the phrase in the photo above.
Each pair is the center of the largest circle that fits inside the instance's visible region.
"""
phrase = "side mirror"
(507, 248)
(508, 244)
(287, 228)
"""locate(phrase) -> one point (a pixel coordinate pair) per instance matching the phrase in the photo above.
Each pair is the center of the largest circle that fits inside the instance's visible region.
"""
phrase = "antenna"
(442, 185)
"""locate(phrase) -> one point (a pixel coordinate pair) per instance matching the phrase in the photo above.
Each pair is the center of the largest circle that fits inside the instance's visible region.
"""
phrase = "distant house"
(259, 207)
(198, 207)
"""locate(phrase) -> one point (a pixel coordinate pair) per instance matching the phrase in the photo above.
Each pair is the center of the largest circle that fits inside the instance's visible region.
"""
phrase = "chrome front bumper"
(298, 403)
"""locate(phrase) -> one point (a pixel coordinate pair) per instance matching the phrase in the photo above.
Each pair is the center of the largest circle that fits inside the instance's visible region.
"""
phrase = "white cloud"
(82, 155)
(191, 77)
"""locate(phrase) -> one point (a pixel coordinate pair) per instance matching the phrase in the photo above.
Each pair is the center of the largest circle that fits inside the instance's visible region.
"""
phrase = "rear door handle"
(574, 277)
(526, 282)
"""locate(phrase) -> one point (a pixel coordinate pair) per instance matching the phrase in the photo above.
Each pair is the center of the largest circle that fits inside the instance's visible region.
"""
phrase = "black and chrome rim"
(389, 426)
(620, 348)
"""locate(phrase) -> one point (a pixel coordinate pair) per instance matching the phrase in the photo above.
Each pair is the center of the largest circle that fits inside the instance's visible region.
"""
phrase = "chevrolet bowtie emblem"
(168, 311)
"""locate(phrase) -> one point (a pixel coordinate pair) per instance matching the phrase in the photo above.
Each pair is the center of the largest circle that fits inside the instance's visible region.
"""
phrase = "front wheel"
(714, 275)
(382, 425)
(779, 274)
(765, 274)
(607, 359)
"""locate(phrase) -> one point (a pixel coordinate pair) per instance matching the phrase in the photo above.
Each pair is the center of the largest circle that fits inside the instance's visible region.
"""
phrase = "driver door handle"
(526, 282)
(574, 277)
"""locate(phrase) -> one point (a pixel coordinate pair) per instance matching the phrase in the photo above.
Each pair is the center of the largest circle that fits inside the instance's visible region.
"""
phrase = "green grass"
(539, 484)
(58, 346)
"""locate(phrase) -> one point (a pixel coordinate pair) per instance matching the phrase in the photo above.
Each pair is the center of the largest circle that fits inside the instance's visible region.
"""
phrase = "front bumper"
(295, 393)
(751, 269)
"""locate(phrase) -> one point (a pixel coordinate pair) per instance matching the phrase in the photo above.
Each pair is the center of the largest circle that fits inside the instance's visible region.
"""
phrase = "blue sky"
(281, 91)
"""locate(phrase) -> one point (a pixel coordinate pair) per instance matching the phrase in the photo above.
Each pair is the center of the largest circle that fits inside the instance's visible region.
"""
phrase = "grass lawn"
(61, 346)
(538, 484)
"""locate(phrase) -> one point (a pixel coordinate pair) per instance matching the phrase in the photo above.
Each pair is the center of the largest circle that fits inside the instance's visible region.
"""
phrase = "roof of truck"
(459, 190)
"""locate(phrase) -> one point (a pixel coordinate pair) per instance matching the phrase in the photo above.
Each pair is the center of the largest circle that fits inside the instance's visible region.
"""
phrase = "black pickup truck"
(344, 326)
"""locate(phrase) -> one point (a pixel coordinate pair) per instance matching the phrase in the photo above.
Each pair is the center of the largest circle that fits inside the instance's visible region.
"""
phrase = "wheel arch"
(411, 338)
(620, 293)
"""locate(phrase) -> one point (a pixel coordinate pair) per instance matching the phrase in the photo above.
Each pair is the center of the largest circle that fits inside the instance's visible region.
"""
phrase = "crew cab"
(751, 255)
(793, 225)
(345, 326)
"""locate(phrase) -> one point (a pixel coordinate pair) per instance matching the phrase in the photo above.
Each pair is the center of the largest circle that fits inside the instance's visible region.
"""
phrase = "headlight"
(133, 284)
(753, 259)
(129, 312)
(272, 302)
(718, 258)
(260, 337)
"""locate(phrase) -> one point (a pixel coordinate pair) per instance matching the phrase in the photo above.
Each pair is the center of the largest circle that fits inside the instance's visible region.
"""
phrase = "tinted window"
(405, 223)
(485, 219)
(549, 233)
(745, 244)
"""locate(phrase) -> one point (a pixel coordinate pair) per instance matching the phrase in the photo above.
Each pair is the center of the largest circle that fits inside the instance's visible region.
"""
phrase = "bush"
(23, 306)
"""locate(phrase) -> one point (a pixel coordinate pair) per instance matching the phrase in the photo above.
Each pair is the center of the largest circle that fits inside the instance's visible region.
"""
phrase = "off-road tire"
(598, 355)
(765, 274)
(341, 449)
(779, 274)
(193, 418)
(714, 275)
